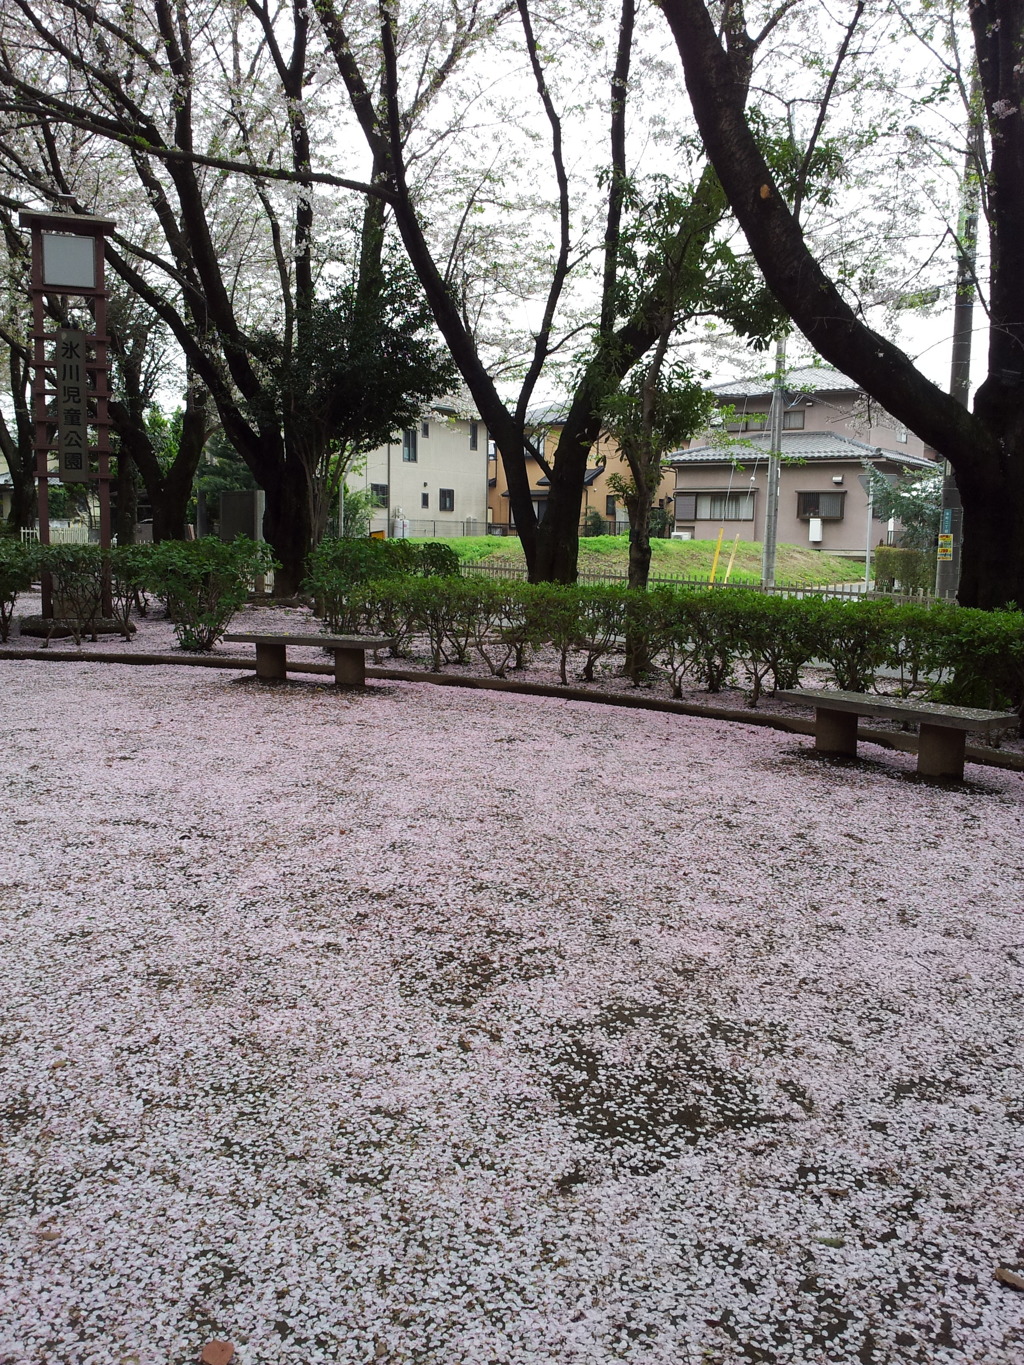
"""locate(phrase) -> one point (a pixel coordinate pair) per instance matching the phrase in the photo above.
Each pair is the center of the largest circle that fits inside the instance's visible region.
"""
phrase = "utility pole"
(771, 509)
(947, 568)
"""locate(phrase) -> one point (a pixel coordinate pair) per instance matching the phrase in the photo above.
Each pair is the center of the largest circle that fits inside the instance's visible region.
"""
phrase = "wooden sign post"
(71, 385)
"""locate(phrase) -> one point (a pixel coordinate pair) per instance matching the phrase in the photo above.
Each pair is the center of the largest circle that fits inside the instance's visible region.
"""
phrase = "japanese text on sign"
(72, 410)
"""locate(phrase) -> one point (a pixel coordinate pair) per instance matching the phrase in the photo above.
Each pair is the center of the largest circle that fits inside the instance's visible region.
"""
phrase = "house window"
(610, 504)
(379, 493)
(793, 420)
(409, 445)
(901, 434)
(826, 506)
(424, 499)
(752, 421)
(446, 500)
(725, 506)
(424, 428)
(474, 435)
(686, 506)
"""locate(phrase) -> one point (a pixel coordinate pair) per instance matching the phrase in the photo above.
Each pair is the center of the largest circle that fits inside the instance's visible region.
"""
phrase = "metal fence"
(854, 592)
(420, 528)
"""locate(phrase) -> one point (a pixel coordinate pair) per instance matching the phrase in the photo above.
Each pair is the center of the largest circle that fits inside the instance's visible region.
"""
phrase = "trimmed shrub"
(203, 583)
(18, 567)
(77, 580)
(552, 617)
(854, 638)
(600, 623)
(129, 567)
(338, 566)
(981, 658)
(901, 570)
(777, 635)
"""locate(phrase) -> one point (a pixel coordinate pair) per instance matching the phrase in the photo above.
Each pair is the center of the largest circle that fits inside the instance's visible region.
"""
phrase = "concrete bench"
(943, 730)
(349, 654)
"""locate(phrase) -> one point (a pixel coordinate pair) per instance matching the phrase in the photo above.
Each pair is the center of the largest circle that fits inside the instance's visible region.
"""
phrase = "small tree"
(357, 506)
(658, 407)
(916, 503)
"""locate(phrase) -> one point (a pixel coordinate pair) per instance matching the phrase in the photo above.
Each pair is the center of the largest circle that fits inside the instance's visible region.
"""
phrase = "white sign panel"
(69, 263)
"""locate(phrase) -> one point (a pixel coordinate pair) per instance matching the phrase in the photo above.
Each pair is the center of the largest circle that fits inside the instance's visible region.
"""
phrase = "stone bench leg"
(835, 732)
(270, 663)
(350, 667)
(940, 751)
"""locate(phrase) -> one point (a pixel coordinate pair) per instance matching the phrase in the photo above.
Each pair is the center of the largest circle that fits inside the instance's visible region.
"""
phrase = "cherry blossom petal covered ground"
(453, 1028)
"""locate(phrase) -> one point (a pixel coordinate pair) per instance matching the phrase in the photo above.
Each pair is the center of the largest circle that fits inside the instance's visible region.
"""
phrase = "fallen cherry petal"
(217, 1353)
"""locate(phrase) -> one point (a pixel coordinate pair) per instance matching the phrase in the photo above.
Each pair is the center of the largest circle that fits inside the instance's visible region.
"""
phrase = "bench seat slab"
(322, 641)
(903, 709)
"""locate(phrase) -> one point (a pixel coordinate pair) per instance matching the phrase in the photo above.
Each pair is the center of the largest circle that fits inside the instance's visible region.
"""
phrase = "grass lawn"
(796, 565)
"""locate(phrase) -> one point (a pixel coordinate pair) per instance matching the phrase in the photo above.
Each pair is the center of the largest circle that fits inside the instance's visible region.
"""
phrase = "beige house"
(544, 423)
(431, 479)
(832, 435)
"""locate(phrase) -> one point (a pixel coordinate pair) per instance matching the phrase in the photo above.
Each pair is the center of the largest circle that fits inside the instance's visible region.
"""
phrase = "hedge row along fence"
(703, 637)
(706, 638)
(202, 584)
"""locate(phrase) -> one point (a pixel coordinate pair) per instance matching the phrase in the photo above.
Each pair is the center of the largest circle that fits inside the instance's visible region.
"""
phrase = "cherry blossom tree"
(985, 445)
(246, 270)
(625, 315)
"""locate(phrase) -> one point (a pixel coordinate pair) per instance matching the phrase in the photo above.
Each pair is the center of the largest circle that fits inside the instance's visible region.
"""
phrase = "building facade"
(832, 436)
(431, 479)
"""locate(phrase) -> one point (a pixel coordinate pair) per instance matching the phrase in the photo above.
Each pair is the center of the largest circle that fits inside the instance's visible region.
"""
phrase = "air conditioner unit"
(814, 530)
(682, 535)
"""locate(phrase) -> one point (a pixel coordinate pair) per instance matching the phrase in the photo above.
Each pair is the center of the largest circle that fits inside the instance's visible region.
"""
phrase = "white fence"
(75, 534)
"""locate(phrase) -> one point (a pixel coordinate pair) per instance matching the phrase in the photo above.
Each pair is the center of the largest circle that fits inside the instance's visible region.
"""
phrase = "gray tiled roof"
(796, 445)
(805, 379)
(547, 414)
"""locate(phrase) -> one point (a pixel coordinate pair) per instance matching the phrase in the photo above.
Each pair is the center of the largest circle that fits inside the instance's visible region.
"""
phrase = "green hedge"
(703, 637)
(337, 566)
(902, 570)
(18, 567)
(202, 582)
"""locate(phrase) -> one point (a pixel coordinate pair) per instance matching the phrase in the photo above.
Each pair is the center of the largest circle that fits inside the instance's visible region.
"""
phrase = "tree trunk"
(17, 445)
(558, 537)
(638, 657)
(170, 512)
(126, 494)
(640, 546)
(992, 494)
(288, 524)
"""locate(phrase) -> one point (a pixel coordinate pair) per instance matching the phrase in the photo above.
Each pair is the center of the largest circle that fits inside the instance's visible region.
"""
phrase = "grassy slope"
(795, 564)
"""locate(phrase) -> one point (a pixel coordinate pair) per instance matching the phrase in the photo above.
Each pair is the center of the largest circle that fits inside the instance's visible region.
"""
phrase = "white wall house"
(432, 476)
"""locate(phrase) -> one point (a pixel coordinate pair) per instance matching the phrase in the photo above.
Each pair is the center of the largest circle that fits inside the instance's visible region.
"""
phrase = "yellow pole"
(718, 551)
(732, 558)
